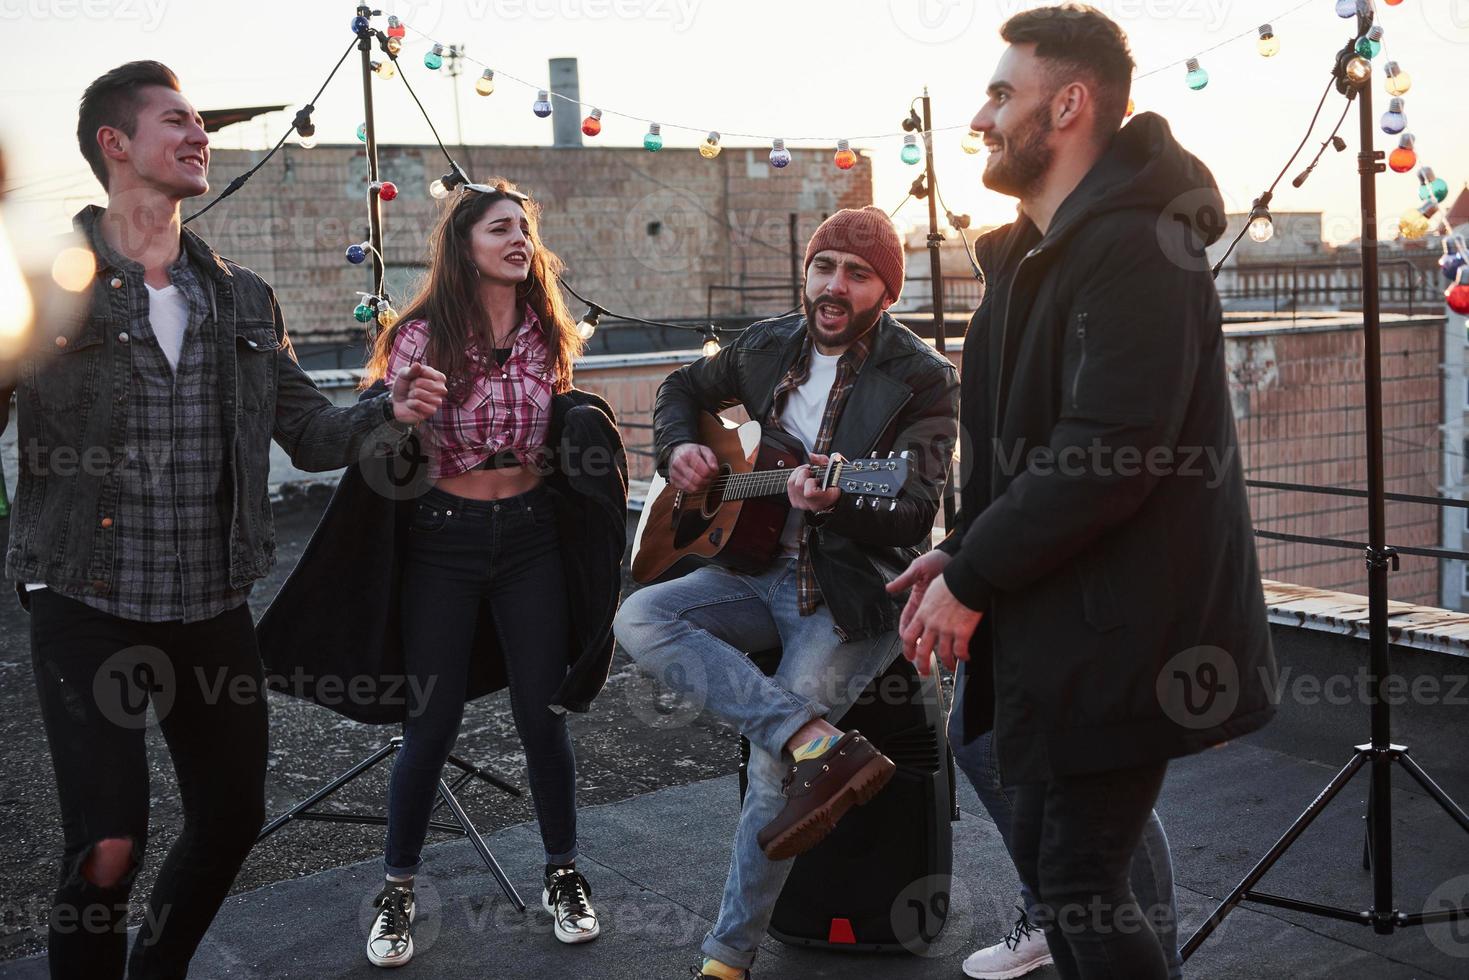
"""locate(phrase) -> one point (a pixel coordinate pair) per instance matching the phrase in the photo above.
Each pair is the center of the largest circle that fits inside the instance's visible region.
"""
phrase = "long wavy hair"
(448, 296)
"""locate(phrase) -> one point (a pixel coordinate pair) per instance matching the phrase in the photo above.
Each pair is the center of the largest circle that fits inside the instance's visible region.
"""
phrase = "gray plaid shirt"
(172, 515)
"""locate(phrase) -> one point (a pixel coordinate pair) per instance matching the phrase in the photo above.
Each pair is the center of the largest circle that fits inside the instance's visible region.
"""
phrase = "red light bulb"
(1457, 295)
(1402, 159)
(592, 124)
(846, 157)
(387, 190)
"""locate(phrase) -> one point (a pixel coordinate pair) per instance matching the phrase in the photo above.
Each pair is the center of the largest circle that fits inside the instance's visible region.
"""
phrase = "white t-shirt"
(801, 417)
(168, 313)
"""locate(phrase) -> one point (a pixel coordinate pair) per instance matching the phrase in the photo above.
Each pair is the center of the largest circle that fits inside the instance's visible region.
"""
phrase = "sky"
(827, 69)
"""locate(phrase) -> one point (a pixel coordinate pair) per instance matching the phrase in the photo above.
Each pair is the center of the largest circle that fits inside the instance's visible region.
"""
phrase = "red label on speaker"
(841, 932)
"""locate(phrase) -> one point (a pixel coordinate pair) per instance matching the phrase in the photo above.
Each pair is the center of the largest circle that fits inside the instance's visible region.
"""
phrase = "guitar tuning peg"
(892, 454)
(859, 501)
(909, 455)
(892, 505)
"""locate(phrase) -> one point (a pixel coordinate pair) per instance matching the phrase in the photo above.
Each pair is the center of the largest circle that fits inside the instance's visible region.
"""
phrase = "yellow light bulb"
(711, 346)
(972, 142)
(486, 83)
(1413, 224)
(1359, 69)
(709, 149)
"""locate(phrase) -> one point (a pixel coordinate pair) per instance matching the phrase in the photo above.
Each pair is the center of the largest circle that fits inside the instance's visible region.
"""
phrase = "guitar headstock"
(873, 479)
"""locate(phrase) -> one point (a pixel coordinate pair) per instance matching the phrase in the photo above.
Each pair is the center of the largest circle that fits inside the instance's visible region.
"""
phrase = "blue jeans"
(462, 553)
(693, 634)
(1151, 874)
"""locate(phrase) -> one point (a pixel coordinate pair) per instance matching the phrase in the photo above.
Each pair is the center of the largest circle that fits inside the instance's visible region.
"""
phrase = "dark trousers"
(95, 674)
(1073, 844)
(462, 553)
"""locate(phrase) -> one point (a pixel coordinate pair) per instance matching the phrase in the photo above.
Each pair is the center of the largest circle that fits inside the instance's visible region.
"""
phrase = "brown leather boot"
(820, 790)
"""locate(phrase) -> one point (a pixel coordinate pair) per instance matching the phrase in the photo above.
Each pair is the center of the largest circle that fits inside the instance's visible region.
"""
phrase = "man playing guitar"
(848, 379)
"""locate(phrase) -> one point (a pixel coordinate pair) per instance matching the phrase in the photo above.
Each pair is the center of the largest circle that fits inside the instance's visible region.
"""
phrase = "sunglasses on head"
(487, 189)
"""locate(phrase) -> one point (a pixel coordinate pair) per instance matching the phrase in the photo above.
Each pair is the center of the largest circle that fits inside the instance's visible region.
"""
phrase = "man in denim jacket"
(142, 519)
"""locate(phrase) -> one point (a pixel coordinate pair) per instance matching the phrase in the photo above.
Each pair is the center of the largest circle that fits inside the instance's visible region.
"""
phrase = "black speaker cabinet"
(880, 881)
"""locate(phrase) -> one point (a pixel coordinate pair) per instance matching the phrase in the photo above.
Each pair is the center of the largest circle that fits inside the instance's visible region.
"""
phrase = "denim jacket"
(72, 395)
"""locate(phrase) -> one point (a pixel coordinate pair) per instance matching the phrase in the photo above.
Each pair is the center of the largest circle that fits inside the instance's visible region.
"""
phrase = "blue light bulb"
(359, 24)
(356, 254)
(1346, 8)
(780, 157)
(1393, 120)
(542, 105)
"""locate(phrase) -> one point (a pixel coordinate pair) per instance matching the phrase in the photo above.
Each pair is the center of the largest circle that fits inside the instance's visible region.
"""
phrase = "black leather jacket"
(906, 398)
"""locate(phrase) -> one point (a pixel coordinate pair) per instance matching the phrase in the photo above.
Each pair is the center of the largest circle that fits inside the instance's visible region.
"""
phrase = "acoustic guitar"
(738, 520)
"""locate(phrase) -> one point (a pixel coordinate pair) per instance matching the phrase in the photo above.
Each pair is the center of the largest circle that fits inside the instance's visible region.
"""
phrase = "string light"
(709, 149)
(394, 45)
(1457, 295)
(362, 313)
(1268, 45)
(1394, 121)
(1453, 257)
(542, 104)
(1197, 77)
(434, 59)
(973, 140)
(780, 157)
(1404, 157)
(1346, 8)
(1429, 185)
(396, 30)
(485, 84)
(386, 315)
(386, 189)
(362, 133)
(385, 70)
(1358, 69)
(592, 124)
(653, 138)
(360, 24)
(1396, 81)
(845, 158)
(1414, 222)
(710, 346)
(1131, 108)
(911, 154)
(1261, 224)
(588, 325)
(1369, 45)
(357, 253)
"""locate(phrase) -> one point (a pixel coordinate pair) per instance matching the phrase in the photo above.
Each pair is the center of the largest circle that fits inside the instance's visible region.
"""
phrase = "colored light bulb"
(362, 313)
(780, 157)
(1346, 8)
(1396, 81)
(972, 142)
(360, 24)
(1394, 121)
(485, 84)
(386, 190)
(1131, 108)
(435, 58)
(1358, 69)
(357, 254)
(386, 315)
(1197, 78)
(592, 124)
(1369, 45)
(1457, 295)
(911, 152)
(653, 138)
(362, 133)
(1268, 44)
(1393, 3)
(385, 70)
(1413, 223)
(396, 30)
(1431, 185)
(542, 104)
(437, 190)
(394, 46)
(711, 344)
(1402, 159)
(709, 149)
(1452, 259)
(845, 159)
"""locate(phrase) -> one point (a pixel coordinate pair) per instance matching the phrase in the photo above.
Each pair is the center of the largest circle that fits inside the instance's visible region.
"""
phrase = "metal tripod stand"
(1380, 753)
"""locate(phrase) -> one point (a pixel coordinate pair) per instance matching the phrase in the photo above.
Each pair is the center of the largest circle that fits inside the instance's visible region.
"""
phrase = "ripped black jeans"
(95, 674)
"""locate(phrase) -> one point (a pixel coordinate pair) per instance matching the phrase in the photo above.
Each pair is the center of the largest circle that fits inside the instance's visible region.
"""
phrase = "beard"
(1024, 157)
(858, 321)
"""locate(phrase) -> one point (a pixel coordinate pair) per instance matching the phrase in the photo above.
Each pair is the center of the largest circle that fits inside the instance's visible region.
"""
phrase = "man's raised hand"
(418, 391)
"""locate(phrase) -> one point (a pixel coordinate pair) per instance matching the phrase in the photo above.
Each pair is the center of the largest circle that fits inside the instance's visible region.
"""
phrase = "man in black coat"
(1103, 579)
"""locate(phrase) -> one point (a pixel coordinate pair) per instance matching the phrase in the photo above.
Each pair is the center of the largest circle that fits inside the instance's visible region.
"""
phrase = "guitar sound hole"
(714, 498)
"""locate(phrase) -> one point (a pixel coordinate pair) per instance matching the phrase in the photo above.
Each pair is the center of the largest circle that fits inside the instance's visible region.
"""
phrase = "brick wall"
(641, 233)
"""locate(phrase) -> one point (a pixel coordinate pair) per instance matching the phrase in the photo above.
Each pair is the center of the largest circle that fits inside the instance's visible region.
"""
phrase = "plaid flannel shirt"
(808, 592)
(504, 407)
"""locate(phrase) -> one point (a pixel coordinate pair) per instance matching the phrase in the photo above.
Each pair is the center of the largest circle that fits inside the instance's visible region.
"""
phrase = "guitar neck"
(764, 483)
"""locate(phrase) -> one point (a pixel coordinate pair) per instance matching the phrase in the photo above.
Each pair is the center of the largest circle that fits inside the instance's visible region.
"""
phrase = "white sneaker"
(567, 897)
(1022, 951)
(391, 941)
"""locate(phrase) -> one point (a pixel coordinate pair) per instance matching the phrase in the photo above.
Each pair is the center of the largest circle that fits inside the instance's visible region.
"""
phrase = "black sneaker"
(391, 941)
(567, 896)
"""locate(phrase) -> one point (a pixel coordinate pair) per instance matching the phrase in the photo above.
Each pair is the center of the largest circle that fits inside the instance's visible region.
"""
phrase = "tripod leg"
(479, 845)
(1367, 840)
(480, 773)
(328, 789)
(1274, 854)
(1434, 790)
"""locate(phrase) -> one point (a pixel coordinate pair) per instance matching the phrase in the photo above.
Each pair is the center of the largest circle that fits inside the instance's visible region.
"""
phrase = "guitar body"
(743, 534)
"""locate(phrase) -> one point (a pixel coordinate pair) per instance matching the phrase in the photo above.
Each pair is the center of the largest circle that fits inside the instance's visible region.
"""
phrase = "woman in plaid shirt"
(491, 315)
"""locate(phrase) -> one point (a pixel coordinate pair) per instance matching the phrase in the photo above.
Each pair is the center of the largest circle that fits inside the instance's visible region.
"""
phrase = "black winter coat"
(332, 633)
(1105, 529)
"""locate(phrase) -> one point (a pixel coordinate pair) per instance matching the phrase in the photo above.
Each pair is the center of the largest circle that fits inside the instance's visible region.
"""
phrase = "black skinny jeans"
(462, 553)
(95, 674)
(1073, 842)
